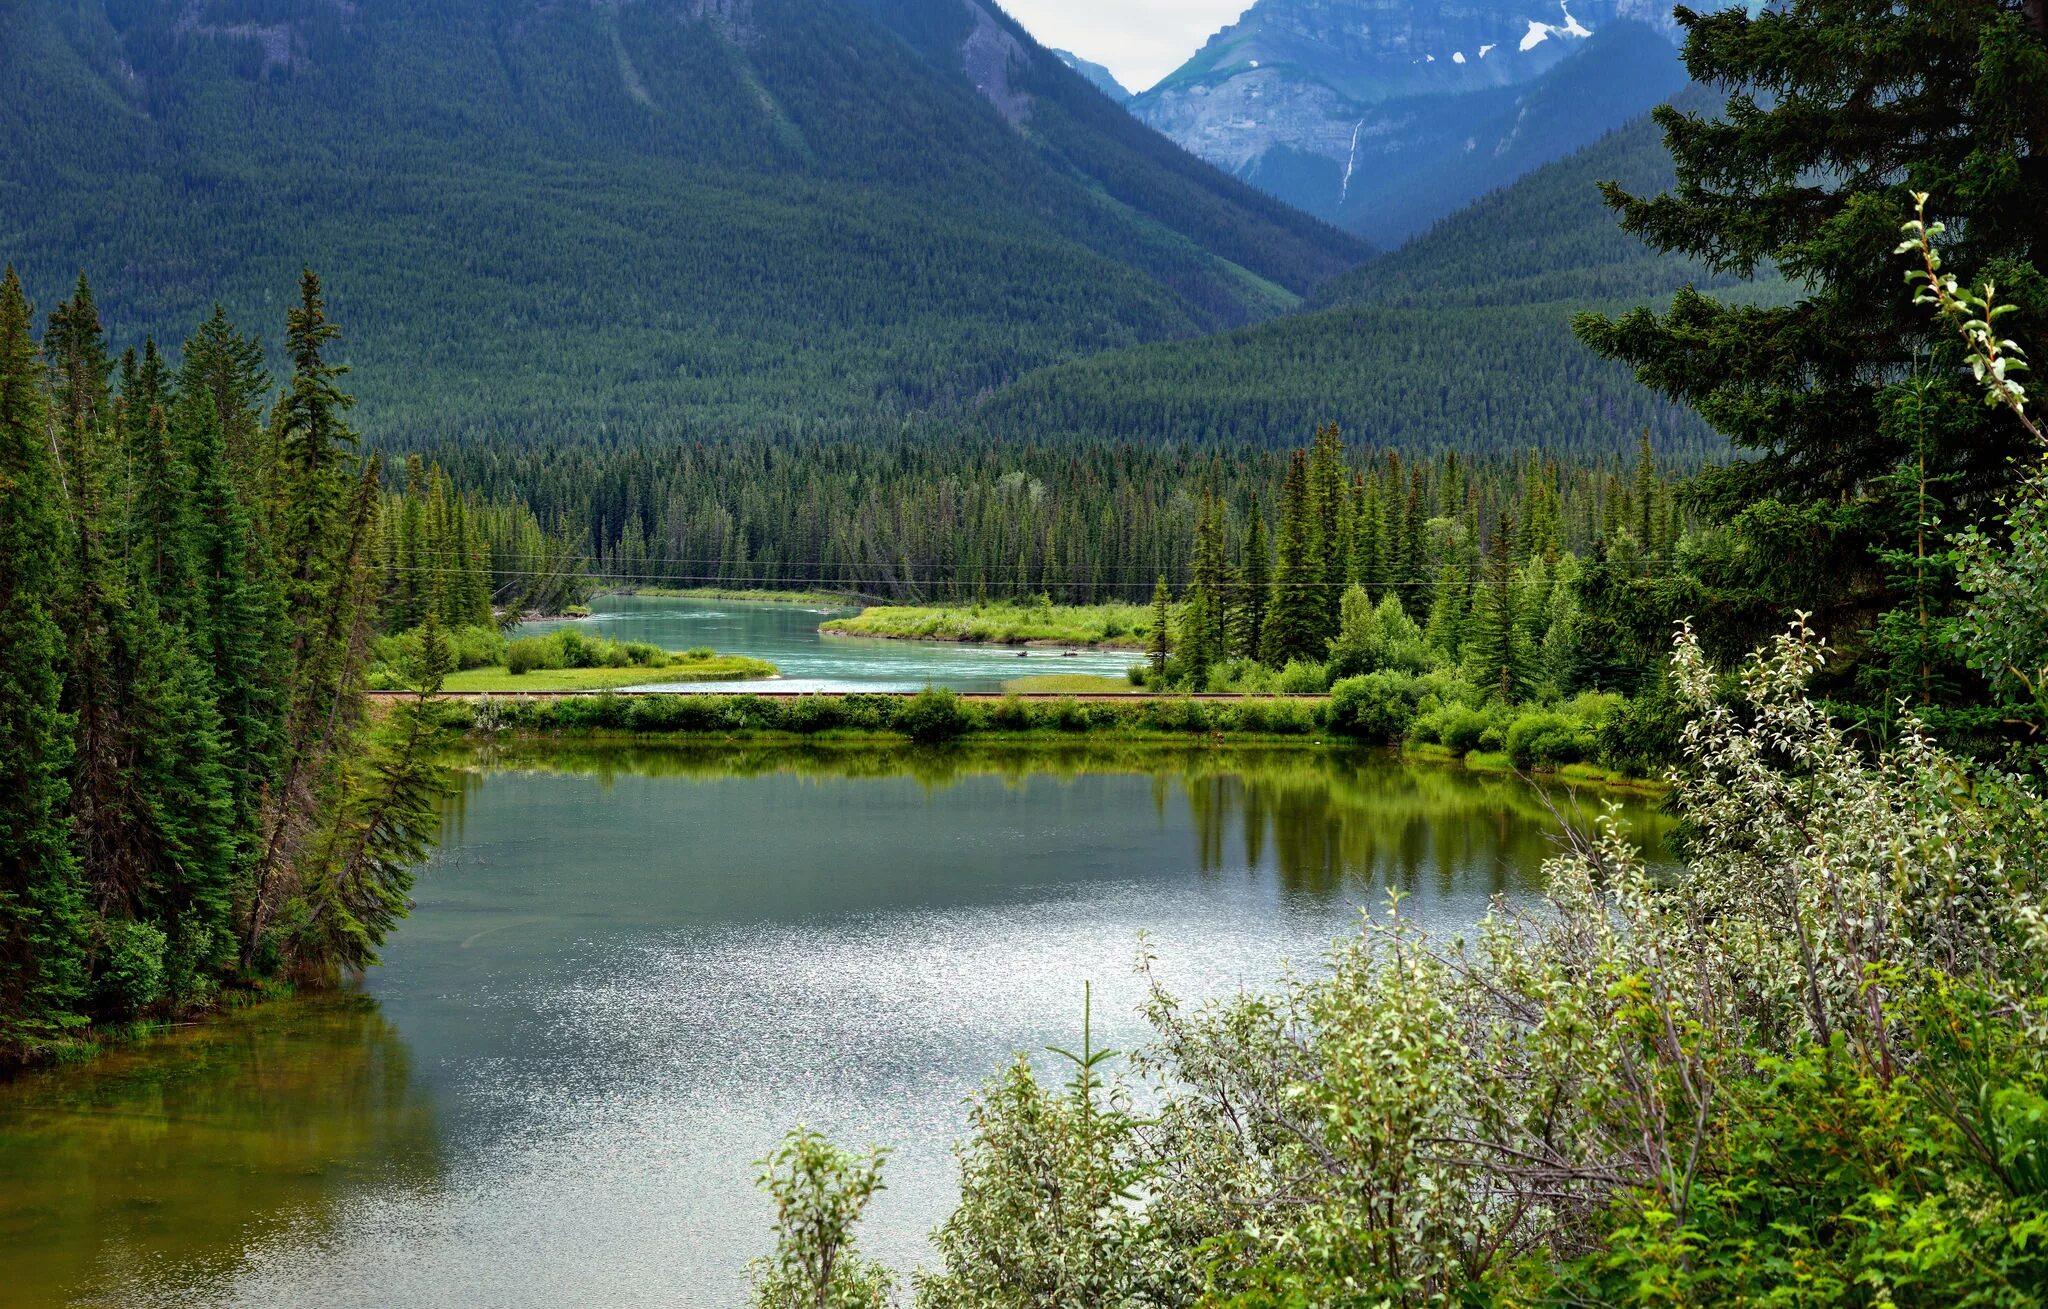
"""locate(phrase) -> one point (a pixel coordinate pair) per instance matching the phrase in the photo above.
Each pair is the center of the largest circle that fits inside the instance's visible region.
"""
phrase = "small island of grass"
(1111, 626)
(567, 660)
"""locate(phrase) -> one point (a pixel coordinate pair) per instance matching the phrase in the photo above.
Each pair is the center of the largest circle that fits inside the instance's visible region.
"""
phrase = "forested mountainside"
(1460, 340)
(663, 215)
(1384, 117)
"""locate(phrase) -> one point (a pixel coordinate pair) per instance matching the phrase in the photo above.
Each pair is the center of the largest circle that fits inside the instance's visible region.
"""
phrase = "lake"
(631, 969)
(787, 636)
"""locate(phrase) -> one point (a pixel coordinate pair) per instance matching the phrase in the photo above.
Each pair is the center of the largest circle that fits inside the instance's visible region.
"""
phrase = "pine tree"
(1839, 110)
(98, 611)
(1448, 612)
(1159, 640)
(314, 455)
(1254, 587)
(1496, 650)
(180, 809)
(1206, 620)
(1294, 619)
(42, 912)
(385, 819)
(223, 371)
(1330, 524)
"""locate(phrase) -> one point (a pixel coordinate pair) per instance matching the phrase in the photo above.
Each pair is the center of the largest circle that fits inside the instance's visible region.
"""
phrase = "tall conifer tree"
(42, 910)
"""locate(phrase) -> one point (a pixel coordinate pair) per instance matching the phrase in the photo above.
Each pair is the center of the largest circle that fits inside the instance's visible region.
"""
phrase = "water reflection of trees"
(1329, 821)
(164, 1165)
(1359, 826)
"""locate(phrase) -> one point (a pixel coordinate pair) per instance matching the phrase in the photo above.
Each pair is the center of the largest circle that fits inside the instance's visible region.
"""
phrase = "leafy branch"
(1995, 360)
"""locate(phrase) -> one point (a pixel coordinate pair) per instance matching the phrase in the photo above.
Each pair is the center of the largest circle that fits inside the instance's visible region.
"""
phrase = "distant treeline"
(912, 518)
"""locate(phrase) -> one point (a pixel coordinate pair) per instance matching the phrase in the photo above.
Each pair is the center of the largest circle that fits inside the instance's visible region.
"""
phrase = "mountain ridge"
(661, 214)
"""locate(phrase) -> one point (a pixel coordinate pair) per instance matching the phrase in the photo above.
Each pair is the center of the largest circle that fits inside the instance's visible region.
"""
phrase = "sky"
(1141, 41)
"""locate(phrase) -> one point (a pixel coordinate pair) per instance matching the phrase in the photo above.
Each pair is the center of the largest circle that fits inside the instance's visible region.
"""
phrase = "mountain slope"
(1098, 76)
(655, 215)
(1460, 340)
(1383, 115)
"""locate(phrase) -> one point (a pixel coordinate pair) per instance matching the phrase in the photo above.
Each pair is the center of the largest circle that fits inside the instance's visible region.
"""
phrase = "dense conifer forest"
(195, 801)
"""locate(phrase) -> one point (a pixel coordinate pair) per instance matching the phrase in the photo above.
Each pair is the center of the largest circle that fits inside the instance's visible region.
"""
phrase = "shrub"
(1010, 714)
(1376, 707)
(1641, 734)
(932, 715)
(528, 653)
(1301, 677)
(1546, 737)
(131, 974)
(811, 713)
(1456, 726)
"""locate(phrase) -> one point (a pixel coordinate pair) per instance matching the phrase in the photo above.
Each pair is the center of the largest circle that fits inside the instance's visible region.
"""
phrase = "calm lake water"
(787, 636)
(632, 969)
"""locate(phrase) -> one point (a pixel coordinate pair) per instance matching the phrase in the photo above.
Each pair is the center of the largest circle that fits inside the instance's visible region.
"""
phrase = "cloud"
(1140, 41)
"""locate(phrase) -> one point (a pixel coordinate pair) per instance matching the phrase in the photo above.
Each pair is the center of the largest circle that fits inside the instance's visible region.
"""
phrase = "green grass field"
(1119, 626)
(1071, 684)
(717, 668)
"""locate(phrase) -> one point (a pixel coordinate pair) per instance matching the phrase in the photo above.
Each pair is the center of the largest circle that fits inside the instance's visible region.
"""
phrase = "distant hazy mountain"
(593, 216)
(1383, 115)
(1104, 80)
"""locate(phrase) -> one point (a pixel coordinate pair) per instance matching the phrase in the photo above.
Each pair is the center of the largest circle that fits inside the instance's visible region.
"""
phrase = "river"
(787, 636)
(631, 969)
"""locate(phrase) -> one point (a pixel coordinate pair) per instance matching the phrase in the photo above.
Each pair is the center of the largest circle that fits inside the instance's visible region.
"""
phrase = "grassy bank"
(937, 717)
(721, 593)
(1114, 626)
(683, 668)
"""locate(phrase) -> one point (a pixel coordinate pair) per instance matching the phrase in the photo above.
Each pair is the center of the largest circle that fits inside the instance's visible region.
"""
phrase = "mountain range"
(668, 215)
(561, 221)
(1384, 115)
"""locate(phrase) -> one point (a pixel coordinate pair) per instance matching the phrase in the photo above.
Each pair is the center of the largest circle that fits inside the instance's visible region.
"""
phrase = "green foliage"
(932, 715)
(820, 1192)
(1549, 739)
(1302, 677)
(565, 647)
(130, 975)
(1377, 706)
(1047, 1183)
(1371, 638)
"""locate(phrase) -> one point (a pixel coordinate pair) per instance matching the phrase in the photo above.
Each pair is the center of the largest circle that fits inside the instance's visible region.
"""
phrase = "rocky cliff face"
(1299, 96)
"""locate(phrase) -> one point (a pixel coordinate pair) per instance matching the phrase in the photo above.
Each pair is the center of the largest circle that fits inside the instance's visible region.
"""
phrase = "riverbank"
(501, 680)
(941, 718)
(1102, 627)
(837, 599)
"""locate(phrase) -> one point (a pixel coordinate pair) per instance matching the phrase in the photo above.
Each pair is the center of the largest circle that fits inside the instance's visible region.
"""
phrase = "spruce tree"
(42, 910)
(1330, 524)
(1159, 641)
(1294, 618)
(1254, 590)
(1496, 646)
(1837, 111)
(1206, 621)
